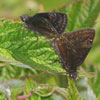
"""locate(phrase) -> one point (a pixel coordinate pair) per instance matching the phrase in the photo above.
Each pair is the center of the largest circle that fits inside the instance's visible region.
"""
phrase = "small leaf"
(85, 90)
(6, 86)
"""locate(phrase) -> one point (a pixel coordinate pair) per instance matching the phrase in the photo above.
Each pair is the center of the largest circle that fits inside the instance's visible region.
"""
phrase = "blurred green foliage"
(23, 59)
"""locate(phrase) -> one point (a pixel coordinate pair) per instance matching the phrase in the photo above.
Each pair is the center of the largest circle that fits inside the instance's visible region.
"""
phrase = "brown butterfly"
(48, 24)
(73, 47)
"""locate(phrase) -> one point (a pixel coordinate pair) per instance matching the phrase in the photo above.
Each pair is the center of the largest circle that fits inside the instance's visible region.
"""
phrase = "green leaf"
(74, 11)
(72, 92)
(22, 55)
(27, 50)
(49, 5)
(92, 14)
(5, 87)
(85, 90)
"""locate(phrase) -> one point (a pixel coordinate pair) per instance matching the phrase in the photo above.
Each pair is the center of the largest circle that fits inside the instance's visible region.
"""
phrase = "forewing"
(59, 21)
(74, 47)
(52, 21)
(49, 24)
(42, 25)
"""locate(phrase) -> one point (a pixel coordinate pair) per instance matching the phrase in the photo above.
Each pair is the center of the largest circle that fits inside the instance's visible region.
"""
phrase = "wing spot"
(59, 44)
(60, 38)
(57, 39)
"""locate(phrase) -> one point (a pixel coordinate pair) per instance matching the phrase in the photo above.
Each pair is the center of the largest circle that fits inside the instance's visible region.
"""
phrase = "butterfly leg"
(24, 32)
(36, 34)
(55, 61)
(24, 28)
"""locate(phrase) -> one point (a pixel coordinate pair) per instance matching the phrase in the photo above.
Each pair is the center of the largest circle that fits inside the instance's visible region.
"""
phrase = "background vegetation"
(26, 65)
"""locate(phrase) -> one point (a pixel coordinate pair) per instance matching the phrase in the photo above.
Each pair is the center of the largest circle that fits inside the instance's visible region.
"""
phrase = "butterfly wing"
(49, 24)
(74, 47)
(59, 21)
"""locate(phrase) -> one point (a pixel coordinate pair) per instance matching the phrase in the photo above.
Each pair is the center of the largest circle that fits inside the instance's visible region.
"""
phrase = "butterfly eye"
(24, 18)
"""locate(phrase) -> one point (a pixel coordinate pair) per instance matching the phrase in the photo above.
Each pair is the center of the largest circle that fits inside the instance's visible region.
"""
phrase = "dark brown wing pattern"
(59, 21)
(48, 24)
(73, 48)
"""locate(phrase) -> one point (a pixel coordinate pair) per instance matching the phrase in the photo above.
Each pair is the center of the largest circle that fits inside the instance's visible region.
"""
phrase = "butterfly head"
(25, 18)
(73, 75)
